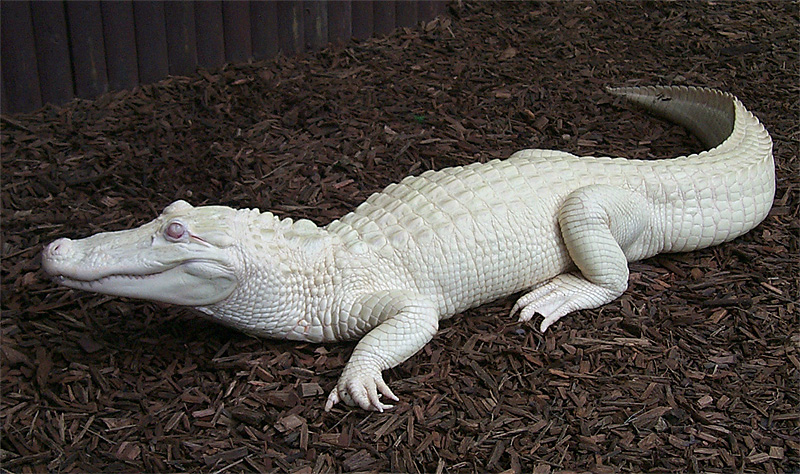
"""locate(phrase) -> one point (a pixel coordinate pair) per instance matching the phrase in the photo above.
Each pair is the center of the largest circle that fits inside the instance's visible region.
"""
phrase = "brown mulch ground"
(694, 369)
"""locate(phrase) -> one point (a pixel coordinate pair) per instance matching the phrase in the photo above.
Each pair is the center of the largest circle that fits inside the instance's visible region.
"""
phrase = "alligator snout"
(56, 251)
(58, 247)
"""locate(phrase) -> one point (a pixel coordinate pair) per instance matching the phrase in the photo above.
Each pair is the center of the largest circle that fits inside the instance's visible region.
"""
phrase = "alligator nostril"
(57, 247)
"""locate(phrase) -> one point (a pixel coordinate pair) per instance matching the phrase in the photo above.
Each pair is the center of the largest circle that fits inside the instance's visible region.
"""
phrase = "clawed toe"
(546, 300)
(552, 299)
(364, 392)
(560, 296)
(551, 309)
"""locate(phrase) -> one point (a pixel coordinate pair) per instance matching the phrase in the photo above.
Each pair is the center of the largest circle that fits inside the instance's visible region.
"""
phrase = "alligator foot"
(560, 296)
(364, 390)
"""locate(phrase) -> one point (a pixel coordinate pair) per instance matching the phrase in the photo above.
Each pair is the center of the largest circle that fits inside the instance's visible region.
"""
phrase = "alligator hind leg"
(601, 226)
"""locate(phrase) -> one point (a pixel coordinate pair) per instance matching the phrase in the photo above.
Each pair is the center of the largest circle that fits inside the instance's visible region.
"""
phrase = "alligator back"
(468, 235)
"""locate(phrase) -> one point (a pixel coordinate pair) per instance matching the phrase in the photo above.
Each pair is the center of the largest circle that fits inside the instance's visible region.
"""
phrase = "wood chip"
(289, 423)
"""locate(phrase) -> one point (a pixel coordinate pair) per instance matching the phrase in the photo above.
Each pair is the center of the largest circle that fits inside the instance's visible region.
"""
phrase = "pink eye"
(175, 231)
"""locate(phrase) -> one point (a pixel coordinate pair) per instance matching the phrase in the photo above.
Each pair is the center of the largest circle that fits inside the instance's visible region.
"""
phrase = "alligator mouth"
(93, 284)
(179, 284)
(144, 285)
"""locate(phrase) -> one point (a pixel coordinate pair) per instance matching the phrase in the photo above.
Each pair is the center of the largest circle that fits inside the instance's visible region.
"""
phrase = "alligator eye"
(175, 231)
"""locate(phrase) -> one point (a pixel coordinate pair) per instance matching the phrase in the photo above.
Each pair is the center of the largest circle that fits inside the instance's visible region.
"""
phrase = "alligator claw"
(363, 391)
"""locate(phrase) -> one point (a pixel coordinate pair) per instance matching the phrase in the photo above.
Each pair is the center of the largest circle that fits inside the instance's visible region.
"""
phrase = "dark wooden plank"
(210, 34)
(236, 23)
(151, 41)
(119, 33)
(290, 27)
(264, 29)
(181, 38)
(52, 51)
(340, 21)
(20, 71)
(440, 6)
(315, 22)
(385, 17)
(407, 15)
(363, 19)
(85, 22)
(3, 98)
(427, 10)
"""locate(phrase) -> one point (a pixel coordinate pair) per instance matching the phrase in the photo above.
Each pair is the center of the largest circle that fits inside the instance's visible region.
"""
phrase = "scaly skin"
(560, 226)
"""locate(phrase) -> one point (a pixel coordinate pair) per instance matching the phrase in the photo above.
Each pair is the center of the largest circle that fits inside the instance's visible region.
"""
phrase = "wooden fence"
(53, 51)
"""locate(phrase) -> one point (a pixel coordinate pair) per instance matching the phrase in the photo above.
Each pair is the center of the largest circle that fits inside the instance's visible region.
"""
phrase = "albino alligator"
(561, 227)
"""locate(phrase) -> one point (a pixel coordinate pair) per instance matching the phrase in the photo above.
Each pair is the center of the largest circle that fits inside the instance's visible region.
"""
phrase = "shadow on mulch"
(694, 369)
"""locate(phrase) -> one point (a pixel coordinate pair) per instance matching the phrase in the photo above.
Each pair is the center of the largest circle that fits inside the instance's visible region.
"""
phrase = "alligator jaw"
(116, 284)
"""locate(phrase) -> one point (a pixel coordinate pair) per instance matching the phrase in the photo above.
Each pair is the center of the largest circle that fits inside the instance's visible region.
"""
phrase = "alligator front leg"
(601, 227)
(406, 322)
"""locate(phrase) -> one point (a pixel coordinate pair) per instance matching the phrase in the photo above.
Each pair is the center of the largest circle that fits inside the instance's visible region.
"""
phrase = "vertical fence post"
(385, 17)
(264, 34)
(88, 48)
(291, 31)
(151, 41)
(52, 51)
(181, 39)
(406, 14)
(340, 21)
(20, 74)
(315, 22)
(119, 33)
(363, 19)
(236, 22)
(210, 34)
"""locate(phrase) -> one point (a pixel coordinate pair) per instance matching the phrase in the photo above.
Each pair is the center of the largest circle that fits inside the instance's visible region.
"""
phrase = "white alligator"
(560, 227)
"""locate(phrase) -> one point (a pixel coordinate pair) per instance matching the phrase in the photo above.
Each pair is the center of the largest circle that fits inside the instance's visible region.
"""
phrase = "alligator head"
(184, 257)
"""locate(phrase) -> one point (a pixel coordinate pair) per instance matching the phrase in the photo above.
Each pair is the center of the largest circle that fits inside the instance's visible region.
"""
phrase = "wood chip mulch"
(694, 369)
